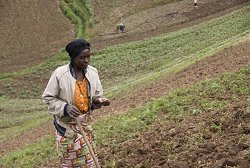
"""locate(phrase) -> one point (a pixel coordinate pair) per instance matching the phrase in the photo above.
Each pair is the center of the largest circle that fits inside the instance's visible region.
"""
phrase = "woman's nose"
(86, 59)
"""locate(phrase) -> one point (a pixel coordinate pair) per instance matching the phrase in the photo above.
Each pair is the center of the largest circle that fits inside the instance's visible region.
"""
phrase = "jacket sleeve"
(50, 96)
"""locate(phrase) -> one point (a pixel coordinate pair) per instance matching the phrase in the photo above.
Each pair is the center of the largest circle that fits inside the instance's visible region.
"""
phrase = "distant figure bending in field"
(73, 92)
(120, 27)
(195, 3)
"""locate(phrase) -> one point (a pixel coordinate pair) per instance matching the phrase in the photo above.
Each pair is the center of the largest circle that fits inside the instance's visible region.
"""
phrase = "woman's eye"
(84, 57)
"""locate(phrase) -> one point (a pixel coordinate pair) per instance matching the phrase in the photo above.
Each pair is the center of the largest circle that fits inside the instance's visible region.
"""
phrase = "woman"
(73, 91)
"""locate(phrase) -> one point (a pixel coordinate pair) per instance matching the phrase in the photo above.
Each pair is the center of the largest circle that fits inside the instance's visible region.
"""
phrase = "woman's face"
(82, 60)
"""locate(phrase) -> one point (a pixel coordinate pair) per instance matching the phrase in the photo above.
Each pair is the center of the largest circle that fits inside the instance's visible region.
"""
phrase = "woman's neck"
(77, 69)
(79, 73)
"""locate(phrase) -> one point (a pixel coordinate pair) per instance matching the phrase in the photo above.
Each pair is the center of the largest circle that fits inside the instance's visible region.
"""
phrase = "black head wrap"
(75, 47)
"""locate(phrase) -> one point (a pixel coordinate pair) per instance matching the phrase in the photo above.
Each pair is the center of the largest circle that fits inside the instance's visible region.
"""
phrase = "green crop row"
(26, 124)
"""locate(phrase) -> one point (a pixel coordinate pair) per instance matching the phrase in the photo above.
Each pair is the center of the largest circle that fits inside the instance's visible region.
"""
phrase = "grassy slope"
(211, 95)
(161, 55)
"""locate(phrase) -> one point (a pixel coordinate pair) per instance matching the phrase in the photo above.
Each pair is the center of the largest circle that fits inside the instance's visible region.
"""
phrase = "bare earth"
(31, 32)
(172, 145)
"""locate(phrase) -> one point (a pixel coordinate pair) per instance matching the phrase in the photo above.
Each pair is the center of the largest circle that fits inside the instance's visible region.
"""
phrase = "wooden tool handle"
(87, 143)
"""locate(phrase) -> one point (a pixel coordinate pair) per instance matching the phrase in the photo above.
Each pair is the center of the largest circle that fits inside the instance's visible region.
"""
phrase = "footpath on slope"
(227, 60)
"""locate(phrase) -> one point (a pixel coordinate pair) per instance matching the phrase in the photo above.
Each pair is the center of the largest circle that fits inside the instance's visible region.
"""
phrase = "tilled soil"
(191, 143)
(31, 32)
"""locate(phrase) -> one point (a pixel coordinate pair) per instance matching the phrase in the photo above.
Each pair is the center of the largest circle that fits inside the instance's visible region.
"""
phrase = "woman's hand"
(73, 111)
(103, 101)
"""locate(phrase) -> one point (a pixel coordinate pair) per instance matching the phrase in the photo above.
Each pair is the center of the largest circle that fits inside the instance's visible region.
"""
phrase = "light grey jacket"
(61, 87)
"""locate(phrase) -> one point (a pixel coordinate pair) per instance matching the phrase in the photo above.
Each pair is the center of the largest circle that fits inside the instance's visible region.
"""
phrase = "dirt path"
(165, 19)
(228, 60)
